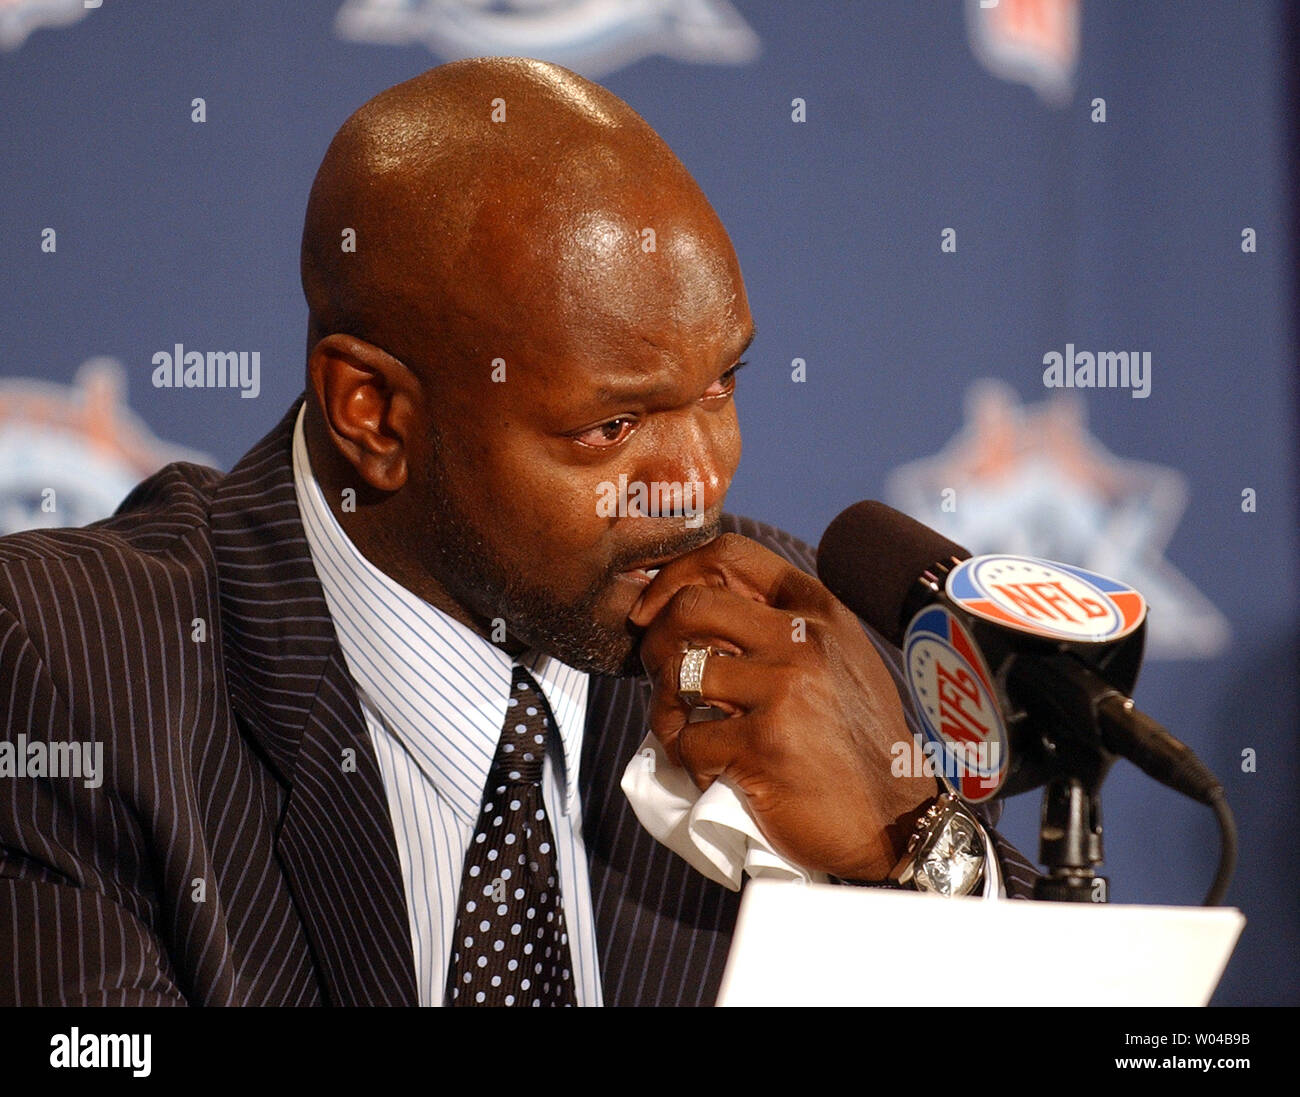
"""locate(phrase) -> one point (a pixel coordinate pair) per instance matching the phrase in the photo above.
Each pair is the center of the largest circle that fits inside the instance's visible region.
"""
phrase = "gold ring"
(690, 676)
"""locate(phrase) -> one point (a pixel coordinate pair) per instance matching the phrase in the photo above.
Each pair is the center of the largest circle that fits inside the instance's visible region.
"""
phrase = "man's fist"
(812, 709)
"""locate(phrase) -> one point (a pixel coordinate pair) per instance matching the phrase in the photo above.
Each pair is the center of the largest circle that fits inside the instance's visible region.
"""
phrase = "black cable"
(1227, 849)
(1134, 735)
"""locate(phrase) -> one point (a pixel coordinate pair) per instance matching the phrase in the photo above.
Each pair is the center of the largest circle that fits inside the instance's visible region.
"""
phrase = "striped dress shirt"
(433, 694)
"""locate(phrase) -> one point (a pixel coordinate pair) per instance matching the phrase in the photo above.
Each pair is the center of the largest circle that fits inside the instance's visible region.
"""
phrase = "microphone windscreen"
(871, 555)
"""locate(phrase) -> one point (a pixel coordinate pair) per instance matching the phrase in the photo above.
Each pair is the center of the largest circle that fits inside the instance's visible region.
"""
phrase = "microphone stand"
(1069, 844)
(1067, 724)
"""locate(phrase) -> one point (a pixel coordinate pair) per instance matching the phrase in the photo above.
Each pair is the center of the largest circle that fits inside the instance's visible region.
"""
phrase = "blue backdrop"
(927, 200)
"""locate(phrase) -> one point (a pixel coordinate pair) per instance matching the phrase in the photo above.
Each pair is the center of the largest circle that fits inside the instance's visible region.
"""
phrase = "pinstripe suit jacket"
(228, 857)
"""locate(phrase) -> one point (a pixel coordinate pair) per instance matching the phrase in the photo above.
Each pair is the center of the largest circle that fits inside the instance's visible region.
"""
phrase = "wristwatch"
(946, 853)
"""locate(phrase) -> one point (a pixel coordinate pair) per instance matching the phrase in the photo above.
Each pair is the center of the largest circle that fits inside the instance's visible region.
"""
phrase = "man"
(300, 671)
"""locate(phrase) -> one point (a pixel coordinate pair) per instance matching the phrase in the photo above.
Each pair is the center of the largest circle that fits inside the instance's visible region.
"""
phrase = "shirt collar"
(437, 686)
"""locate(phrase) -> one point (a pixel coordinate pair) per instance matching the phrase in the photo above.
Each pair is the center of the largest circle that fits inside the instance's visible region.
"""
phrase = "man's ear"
(368, 401)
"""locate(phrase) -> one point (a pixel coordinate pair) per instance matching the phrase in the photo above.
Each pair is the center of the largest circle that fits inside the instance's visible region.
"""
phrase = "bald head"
(502, 204)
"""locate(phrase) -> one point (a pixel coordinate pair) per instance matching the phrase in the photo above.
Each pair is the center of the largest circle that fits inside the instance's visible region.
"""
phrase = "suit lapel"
(663, 930)
(289, 685)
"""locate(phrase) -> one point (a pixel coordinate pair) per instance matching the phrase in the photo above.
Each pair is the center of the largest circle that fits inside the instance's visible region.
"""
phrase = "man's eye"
(607, 434)
(724, 385)
(614, 432)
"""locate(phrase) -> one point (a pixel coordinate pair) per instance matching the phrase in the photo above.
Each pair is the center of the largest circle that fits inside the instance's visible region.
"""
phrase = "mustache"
(673, 546)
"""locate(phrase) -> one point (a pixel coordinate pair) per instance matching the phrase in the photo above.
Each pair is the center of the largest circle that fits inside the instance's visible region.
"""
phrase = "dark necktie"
(510, 947)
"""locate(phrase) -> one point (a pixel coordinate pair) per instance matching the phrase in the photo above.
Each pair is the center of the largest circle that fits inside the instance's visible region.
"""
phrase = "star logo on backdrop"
(70, 454)
(593, 37)
(1031, 480)
(18, 18)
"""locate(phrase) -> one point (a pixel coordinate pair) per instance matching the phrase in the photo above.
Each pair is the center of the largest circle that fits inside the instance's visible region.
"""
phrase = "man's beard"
(474, 575)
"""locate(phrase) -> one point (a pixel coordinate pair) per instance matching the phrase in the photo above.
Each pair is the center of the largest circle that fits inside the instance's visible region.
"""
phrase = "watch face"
(951, 860)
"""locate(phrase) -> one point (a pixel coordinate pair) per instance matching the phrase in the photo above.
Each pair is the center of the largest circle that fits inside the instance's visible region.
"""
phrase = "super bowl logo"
(1032, 479)
(592, 36)
(18, 18)
(1057, 601)
(954, 696)
(1034, 42)
(70, 455)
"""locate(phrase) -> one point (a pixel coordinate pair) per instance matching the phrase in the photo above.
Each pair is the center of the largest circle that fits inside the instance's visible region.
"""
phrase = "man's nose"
(700, 453)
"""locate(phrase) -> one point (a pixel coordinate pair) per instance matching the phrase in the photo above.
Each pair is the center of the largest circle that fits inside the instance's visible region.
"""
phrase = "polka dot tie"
(510, 946)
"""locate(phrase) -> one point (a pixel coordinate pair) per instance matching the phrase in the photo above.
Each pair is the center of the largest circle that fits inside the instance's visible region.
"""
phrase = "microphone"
(887, 567)
(882, 564)
(1012, 651)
